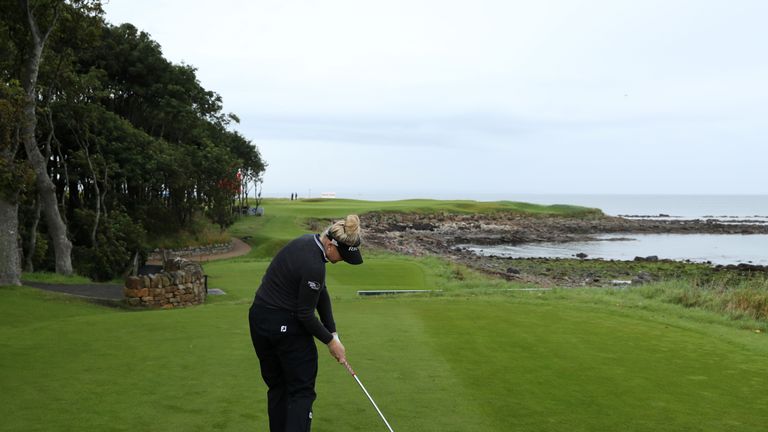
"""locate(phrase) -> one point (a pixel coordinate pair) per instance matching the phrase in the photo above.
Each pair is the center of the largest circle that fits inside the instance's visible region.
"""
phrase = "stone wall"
(211, 249)
(180, 283)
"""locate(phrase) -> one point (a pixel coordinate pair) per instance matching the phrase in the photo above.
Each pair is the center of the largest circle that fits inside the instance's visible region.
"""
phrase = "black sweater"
(295, 281)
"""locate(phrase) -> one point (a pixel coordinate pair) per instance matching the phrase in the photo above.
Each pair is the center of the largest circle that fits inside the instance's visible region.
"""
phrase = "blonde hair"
(346, 231)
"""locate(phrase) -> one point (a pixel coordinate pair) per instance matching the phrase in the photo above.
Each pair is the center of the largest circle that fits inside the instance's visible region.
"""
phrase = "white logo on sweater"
(314, 285)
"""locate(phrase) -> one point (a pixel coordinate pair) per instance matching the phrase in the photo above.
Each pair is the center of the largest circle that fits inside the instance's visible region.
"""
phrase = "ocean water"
(714, 248)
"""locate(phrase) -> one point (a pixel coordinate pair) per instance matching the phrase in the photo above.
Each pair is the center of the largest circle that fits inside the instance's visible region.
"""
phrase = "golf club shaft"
(354, 375)
(374, 403)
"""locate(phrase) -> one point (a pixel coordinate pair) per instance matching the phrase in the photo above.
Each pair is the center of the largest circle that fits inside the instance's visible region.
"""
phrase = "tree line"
(104, 143)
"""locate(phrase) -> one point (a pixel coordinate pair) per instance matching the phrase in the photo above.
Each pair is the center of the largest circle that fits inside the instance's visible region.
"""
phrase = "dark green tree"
(131, 144)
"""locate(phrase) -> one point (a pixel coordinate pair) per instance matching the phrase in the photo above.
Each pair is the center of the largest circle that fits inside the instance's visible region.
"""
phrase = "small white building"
(328, 195)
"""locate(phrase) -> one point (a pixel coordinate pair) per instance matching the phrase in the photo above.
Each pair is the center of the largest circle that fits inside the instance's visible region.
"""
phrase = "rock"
(581, 255)
(133, 282)
(642, 278)
(650, 258)
(512, 270)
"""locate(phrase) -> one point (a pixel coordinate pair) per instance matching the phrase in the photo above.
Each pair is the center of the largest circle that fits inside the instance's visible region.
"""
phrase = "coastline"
(441, 234)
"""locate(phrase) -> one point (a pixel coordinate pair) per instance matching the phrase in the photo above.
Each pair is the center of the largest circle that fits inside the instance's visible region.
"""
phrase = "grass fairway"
(466, 359)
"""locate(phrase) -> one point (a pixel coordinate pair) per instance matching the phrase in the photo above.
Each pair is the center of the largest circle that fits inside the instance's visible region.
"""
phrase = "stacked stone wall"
(180, 283)
(190, 252)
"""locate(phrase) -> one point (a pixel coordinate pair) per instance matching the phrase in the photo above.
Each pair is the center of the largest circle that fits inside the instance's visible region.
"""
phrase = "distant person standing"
(283, 323)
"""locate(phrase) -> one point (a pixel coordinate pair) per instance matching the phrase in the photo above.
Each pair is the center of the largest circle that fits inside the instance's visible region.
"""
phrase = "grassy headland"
(475, 356)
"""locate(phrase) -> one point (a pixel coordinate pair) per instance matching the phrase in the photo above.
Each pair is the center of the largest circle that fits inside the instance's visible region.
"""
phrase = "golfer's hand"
(337, 350)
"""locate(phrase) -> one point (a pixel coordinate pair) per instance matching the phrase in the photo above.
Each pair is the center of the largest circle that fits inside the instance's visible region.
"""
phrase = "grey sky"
(453, 98)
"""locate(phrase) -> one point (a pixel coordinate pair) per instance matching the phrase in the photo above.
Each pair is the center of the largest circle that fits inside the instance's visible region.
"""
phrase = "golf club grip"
(349, 368)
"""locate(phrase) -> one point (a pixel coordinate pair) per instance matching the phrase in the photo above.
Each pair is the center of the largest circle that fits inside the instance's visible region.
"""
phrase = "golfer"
(283, 322)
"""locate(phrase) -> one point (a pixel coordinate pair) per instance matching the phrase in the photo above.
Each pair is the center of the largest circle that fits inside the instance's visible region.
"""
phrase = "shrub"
(118, 238)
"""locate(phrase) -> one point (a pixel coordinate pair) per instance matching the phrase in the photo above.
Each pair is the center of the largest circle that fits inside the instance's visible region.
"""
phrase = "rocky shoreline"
(440, 234)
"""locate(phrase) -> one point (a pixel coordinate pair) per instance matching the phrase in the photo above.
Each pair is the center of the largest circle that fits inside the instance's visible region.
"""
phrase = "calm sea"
(717, 249)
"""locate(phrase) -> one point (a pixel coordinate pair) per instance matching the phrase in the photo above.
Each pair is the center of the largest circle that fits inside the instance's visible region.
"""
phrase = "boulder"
(642, 278)
(650, 258)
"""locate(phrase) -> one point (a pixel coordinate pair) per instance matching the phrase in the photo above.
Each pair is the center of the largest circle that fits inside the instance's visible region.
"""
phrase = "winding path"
(111, 293)
(239, 248)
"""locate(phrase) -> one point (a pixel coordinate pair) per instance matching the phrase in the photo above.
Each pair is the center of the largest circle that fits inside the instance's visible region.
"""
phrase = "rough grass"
(735, 293)
(471, 358)
(737, 298)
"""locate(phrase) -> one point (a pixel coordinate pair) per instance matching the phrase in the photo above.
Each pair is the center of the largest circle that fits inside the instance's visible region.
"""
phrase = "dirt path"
(239, 248)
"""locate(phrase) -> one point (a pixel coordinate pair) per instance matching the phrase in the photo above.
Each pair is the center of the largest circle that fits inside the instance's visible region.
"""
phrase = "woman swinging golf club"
(283, 322)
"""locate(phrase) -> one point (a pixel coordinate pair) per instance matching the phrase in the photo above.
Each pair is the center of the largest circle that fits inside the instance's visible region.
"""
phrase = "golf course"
(478, 353)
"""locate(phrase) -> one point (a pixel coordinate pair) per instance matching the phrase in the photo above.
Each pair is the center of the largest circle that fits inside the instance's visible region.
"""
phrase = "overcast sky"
(442, 98)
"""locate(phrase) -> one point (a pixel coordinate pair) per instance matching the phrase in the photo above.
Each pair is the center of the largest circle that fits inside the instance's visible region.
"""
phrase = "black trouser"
(288, 359)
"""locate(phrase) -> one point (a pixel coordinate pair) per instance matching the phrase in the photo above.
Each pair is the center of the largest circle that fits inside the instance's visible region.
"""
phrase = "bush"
(199, 232)
(118, 238)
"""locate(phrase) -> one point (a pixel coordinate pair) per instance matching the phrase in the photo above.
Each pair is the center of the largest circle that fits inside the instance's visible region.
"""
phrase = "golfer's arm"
(325, 311)
(305, 313)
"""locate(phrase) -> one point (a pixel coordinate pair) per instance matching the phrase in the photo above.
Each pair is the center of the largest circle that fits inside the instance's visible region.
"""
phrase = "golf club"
(354, 375)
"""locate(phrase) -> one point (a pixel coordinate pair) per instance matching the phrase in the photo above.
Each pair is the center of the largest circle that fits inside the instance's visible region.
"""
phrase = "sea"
(709, 248)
